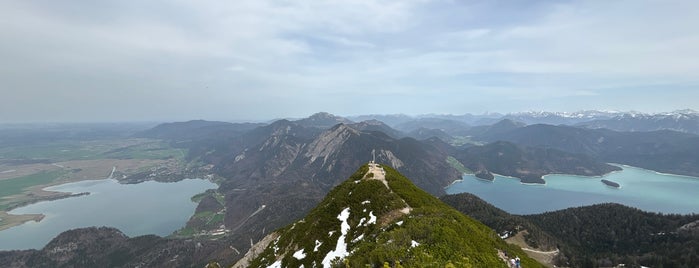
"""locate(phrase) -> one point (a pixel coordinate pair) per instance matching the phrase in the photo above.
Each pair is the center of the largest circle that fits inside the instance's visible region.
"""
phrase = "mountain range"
(274, 174)
(278, 172)
(680, 120)
(662, 151)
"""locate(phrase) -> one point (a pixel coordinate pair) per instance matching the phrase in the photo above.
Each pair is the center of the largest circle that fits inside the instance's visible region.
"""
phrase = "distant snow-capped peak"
(578, 114)
(606, 113)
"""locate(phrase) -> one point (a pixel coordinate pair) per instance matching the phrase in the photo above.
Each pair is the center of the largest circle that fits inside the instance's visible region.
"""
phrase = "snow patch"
(414, 243)
(372, 218)
(359, 238)
(318, 243)
(505, 235)
(399, 223)
(366, 202)
(239, 157)
(276, 264)
(341, 247)
(275, 247)
(299, 255)
(361, 221)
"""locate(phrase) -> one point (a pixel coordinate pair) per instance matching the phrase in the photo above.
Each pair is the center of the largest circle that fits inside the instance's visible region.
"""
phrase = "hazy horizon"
(257, 60)
(350, 116)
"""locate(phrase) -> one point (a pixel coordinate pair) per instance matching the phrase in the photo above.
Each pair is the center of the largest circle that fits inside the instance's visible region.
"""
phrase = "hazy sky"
(262, 59)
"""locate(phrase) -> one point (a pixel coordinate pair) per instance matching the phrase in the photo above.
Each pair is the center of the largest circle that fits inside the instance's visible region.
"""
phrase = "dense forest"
(606, 234)
(597, 236)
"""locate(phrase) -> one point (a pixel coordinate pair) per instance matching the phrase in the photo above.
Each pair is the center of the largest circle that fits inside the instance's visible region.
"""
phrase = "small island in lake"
(485, 175)
(611, 183)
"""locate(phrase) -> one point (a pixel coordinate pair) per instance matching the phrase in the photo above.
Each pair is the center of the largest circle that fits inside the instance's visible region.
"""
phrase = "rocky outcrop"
(391, 158)
(329, 142)
(255, 251)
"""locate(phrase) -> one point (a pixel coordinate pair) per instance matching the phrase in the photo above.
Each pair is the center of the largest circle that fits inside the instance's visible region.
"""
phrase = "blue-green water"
(640, 188)
(135, 209)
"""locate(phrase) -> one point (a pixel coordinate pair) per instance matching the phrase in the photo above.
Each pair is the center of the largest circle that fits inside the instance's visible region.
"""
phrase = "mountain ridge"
(374, 217)
(663, 151)
(526, 163)
(682, 121)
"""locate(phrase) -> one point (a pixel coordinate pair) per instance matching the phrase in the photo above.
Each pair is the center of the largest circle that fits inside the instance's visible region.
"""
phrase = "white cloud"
(346, 42)
(634, 38)
(269, 55)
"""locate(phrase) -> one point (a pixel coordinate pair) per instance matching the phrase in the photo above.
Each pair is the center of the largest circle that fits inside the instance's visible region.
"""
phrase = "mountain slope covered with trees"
(378, 216)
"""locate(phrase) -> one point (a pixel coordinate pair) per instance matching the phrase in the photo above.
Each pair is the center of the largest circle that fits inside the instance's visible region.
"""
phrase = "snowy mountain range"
(681, 120)
(686, 120)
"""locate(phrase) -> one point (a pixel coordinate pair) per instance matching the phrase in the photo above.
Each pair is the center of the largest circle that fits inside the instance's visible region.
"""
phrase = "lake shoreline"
(643, 189)
(12, 220)
(657, 172)
(42, 193)
(136, 209)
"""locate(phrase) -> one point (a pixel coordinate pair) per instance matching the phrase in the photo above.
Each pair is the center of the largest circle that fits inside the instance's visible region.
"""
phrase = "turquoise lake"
(135, 209)
(643, 189)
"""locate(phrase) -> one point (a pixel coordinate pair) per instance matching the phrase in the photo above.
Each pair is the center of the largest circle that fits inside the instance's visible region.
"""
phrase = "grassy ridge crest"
(431, 235)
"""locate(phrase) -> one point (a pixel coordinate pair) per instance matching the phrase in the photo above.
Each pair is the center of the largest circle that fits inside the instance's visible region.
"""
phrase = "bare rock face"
(286, 153)
(329, 142)
(392, 159)
(690, 228)
(255, 250)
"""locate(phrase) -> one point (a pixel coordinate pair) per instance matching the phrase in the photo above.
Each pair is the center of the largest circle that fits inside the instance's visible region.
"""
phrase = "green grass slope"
(375, 232)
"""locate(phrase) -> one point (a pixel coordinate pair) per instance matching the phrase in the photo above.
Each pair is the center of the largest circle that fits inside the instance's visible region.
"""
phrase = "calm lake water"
(135, 209)
(640, 188)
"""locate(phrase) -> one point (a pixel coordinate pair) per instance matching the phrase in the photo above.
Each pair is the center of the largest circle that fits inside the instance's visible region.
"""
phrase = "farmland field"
(29, 166)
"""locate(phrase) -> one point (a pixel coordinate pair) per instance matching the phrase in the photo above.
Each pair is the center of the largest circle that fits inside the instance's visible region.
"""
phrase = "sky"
(103, 61)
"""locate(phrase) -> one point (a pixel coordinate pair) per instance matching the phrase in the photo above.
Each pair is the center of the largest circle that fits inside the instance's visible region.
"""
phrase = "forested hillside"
(597, 236)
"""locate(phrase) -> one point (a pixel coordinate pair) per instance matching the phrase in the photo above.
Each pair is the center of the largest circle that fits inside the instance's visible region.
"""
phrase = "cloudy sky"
(262, 59)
